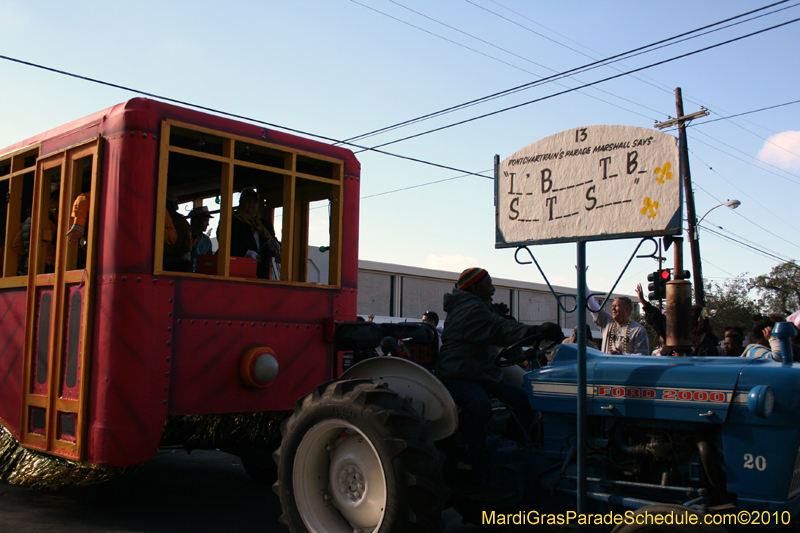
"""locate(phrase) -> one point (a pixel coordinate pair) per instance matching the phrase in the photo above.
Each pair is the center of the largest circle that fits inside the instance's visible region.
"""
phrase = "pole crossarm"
(680, 120)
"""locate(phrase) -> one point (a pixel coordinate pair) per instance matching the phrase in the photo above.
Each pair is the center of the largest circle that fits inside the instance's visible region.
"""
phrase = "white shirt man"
(620, 334)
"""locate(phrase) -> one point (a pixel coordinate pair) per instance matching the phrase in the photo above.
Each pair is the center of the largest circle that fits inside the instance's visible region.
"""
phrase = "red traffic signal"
(657, 287)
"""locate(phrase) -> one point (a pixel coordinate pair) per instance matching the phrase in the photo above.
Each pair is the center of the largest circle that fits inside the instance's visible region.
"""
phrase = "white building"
(394, 293)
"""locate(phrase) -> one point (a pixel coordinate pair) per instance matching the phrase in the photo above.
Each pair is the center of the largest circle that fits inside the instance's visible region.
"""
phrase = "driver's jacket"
(472, 333)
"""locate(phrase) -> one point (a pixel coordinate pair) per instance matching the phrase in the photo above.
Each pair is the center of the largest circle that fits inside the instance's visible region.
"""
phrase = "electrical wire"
(685, 98)
(465, 173)
(695, 139)
(756, 244)
(749, 131)
(444, 38)
(515, 55)
(757, 159)
(590, 66)
(423, 185)
(764, 138)
(704, 260)
(530, 30)
(517, 13)
(701, 122)
(635, 77)
(765, 230)
(603, 80)
(655, 83)
(744, 245)
(232, 115)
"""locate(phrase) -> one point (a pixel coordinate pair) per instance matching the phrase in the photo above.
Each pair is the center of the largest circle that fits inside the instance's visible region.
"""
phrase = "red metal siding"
(157, 347)
(130, 368)
(12, 318)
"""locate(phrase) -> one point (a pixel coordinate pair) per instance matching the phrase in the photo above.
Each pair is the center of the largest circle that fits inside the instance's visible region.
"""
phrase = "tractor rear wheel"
(355, 456)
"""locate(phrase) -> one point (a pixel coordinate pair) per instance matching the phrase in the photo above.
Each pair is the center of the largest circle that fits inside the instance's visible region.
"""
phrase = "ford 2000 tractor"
(712, 441)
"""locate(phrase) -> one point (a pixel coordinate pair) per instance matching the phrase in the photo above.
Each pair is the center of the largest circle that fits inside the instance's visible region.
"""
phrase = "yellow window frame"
(13, 224)
(294, 236)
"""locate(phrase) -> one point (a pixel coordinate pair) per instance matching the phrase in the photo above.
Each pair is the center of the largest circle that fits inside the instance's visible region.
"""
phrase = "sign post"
(590, 183)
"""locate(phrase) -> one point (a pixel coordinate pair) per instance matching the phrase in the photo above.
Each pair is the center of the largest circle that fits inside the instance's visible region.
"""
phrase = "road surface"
(205, 491)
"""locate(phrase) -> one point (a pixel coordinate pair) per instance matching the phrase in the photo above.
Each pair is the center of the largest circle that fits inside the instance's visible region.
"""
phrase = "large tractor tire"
(355, 457)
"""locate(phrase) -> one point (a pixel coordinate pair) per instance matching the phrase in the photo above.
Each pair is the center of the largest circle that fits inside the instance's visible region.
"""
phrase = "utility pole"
(691, 214)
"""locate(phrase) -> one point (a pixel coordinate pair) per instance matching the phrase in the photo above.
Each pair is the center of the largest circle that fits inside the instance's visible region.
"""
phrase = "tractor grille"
(795, 488)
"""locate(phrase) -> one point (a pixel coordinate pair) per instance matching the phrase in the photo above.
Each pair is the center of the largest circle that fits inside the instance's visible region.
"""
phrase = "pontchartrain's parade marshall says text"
(593, 182)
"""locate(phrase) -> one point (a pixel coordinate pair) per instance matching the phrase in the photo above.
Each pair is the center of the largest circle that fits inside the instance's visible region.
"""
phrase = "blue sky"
(339, 68)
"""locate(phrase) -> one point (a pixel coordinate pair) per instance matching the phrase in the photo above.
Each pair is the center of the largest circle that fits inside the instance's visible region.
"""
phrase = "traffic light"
(657, 285)
(682, 274)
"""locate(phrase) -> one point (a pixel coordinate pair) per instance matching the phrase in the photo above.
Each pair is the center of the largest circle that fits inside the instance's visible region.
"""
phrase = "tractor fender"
(429, 397)
(515, 375)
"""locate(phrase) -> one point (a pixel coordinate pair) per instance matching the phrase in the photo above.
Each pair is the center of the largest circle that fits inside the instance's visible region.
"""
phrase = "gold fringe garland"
(224, 430)
(20, 466)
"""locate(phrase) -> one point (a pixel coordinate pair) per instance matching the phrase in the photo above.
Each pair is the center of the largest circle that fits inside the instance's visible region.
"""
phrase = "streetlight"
(694, 242)
(733, 204)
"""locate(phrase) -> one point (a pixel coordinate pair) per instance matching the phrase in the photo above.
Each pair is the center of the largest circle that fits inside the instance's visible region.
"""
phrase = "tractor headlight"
(761, 400)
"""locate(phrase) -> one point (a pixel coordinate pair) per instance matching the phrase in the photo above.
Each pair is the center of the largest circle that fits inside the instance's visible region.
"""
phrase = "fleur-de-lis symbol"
(650, 207)
(663, 172)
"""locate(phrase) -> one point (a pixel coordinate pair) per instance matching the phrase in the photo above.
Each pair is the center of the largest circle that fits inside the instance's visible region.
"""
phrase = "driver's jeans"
(474, 399)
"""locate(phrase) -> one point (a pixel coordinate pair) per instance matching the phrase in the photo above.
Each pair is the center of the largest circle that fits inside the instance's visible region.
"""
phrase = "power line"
(718, 268)
(760, 161)
(744, 245)
(530, 30)
(459, 31)
(421, 185)
(748, 20)
(466, 104)
(590, 66)
(654, 84)
(586, 55)
(443, 38)
(748, 162)
(232, 115)
(485, 115)
(771, 212)
(764, 138)
(765, 230)
(749, 131)
(704, 122)
(756, 244)
(508, 52)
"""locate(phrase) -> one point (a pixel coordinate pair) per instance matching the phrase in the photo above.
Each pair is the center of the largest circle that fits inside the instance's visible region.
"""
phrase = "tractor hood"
(696, 389)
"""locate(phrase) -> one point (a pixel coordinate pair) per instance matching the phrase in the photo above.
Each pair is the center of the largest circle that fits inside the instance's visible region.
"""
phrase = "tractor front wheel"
(356, 457)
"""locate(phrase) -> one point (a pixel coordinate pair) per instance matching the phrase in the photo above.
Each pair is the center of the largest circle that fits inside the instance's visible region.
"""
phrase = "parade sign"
(591, 183)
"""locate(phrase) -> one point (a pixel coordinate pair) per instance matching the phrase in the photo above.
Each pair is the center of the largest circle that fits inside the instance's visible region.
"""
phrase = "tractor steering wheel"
(532, 340)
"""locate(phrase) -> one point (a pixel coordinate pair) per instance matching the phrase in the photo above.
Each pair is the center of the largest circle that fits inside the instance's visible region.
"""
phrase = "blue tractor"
(689, 443)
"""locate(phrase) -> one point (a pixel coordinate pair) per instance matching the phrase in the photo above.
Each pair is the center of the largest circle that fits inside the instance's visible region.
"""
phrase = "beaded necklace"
(612, 334)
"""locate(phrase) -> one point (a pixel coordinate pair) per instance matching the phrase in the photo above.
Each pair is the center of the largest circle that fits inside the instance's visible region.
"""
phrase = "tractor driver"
(466, 363)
